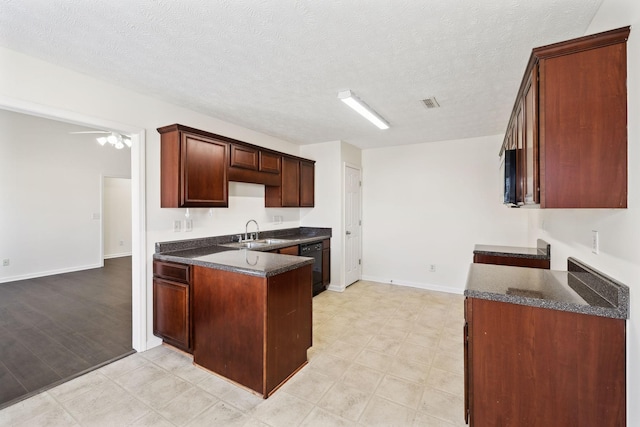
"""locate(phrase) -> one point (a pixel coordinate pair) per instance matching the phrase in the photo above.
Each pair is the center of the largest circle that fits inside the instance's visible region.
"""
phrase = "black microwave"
(510, 178)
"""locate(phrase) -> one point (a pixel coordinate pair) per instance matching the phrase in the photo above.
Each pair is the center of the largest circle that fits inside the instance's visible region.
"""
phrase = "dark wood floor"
(55, 328)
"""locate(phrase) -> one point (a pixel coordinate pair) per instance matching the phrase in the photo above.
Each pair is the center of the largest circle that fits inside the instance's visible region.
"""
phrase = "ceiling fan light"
(119, 145)
(112, 139)
(102, 140)
(127, 141)
(350, 98)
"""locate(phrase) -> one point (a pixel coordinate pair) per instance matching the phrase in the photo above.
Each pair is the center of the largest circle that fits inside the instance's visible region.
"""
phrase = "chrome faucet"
(257, 233)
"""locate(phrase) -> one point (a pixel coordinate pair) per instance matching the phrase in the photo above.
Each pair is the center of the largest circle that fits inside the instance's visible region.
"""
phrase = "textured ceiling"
(276, 66)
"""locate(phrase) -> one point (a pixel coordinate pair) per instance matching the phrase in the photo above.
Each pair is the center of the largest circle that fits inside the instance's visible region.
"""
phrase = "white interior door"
(352, 222)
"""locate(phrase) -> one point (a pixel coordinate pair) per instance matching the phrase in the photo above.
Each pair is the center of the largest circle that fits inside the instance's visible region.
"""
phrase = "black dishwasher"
(314, 250)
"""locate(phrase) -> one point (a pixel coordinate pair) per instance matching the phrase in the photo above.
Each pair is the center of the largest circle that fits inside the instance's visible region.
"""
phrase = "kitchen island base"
(251, 330)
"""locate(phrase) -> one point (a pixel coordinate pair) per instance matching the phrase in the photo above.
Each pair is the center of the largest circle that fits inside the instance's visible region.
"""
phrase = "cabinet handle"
(348, 233)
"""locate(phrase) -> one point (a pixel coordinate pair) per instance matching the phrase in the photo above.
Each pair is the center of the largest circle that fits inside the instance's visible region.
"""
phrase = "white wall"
(429, 204)
(116, 208)
(569, 230)
(28, 81)
(50, 189)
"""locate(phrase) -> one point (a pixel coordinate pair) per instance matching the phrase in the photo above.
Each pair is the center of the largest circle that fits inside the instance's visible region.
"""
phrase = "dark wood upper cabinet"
(569, 124)
(193, 169)
(297, 185)
(196, 167)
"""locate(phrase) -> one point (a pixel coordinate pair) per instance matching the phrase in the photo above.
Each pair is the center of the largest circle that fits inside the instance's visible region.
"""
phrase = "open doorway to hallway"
(61, 312)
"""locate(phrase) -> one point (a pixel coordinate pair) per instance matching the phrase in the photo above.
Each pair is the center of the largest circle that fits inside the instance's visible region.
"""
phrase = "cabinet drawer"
(269, 162)
(289, 250)
(173, 271)
(244, 157)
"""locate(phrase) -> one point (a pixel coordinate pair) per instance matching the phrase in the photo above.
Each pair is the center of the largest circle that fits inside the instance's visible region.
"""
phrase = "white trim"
(101, 243)
(336, 288)
(50, 273)
(120, 255)
(343, 274)
(138, 233)
(426, 286)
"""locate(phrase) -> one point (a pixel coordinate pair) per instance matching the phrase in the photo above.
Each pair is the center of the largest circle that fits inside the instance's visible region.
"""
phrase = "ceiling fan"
(114, 138)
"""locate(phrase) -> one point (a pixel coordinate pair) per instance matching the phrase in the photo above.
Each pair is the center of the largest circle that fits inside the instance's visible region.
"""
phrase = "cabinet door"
(171, 313)
(531, 185)
(290, 182)
(326, 266)
(555, 367)
(583, 132)
(307, 170)
(518, 138)
(203, 172)
(270, 162)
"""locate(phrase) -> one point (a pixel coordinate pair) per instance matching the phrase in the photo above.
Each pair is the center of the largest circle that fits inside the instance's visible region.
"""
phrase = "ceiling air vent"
(431, 102)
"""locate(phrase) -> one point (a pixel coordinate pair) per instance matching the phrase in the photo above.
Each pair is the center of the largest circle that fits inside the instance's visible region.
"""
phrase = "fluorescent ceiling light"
(363, 109)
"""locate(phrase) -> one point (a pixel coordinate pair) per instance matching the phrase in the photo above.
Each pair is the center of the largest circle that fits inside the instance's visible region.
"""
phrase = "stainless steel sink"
(255, 243)
(272, 241)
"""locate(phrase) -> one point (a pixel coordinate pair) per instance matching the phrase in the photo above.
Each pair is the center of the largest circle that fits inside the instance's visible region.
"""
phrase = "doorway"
(116, 225)
(138, 237)
(352, 224)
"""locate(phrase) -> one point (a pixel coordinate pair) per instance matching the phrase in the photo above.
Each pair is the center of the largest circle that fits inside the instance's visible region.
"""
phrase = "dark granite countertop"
(542, 251)
(244, 261)
(210, 252)
(581, 289)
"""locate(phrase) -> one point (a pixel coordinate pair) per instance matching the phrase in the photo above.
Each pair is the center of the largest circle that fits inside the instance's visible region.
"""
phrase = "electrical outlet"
(188, 225)
(177, 226)
(595, 242)
(432, 268)
(6, 262)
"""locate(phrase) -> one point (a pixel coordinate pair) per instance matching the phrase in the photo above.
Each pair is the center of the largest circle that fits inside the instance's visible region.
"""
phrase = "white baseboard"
(48, 273)
(120, 255)
(426, 286)
(336, 288)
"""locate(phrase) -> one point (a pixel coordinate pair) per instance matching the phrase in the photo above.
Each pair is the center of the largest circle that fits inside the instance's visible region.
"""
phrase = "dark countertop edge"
(216, 266)
(613, 313)
(590, 284)
(543, 251)
(296, 235)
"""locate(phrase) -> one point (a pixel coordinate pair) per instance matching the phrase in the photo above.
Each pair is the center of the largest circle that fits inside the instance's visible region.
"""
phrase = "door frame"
(138, 208)
(343, 273)
(103, 178)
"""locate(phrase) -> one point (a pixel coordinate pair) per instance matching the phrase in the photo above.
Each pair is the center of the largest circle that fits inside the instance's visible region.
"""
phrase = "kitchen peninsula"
(242, 309)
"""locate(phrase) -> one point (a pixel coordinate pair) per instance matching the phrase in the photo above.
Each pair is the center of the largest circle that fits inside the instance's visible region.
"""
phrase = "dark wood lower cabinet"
(172, 304)
(289, 250)
(326, 262)
(252, 330)
(513, 261)
(530, 366)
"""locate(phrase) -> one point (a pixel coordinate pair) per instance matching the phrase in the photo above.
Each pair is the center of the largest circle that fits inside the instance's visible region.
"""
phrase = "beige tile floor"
(383, 355)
